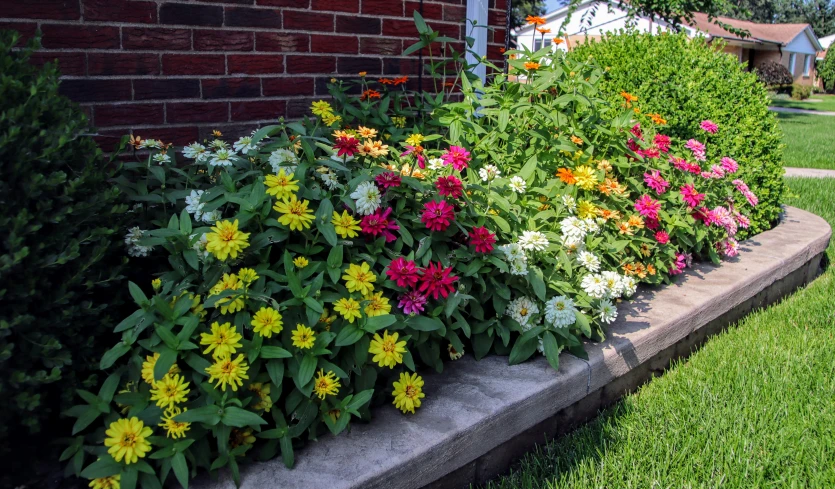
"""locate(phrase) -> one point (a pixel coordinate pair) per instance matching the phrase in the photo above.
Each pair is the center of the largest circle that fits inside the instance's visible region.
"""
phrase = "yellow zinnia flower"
(358, 278)
(366, 132)
(331, 119)
(294, 213)
(110, 482)
(348, 309)
(326, 319)
(414, 139)
(586, 209)
(169, 391)
(263, 401)
(247, 275)
(346, 226)
(156, 284)
(225, 240)
(281, 186)
(174, 429)
(303, 337)
(586, 177)
(224, 340)
(267, 321)
(377, 305)
(321, 108)
(228, 372)
(300, 262)
(387, 351)
(128, 439)
(148, 368)
(233, 303)
(326, 385)
(241, 437)
(408, 392)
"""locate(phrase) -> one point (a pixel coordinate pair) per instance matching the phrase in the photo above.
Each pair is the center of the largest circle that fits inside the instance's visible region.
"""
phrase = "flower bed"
(307, 271)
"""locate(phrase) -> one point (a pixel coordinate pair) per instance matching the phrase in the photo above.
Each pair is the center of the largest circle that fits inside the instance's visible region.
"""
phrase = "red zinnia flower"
(404, 272)
(449, 187)
(636, 131)
(662, 142)
(347, 145)
(379, 223)
(482, 239)
(388, 179)
(438, 215)
(662, 237)
(436, 280)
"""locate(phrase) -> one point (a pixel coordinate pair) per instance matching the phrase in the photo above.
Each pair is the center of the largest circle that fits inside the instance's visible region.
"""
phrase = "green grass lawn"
(827, 103)
(755, 407)
(809, 139)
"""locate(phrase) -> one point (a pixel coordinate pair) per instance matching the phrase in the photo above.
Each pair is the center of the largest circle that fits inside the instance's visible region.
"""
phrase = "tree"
(820, 14)
(523, 8)
(826, 70)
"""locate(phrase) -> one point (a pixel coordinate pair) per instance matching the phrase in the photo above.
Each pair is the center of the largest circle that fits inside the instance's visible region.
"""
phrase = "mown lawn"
(827, 103)
(809, 139)
(755, 407)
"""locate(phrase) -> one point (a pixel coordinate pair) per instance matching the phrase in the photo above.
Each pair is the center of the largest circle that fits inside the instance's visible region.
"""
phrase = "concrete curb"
(809, 172)
(479, 416)
(791, 110)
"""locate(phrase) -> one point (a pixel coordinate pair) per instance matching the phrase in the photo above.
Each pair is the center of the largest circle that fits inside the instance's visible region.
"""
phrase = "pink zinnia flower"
(729, 165)
(436, 280)
(679, 265)
(388, 179)
(662, 142)
(347, 146)
(647, 206)
(456, 156)
(717, 171)
(749, 195)
(742, 220)
(404, 272)
(651, 152)
(703, 214)
(421, 161)
(482, 239)
(709, 126)
(379, 223)
(691, 196)
(636, 131)
(697, 148)
(655, 181)
(412, 302)
(662, 237)
(437, 215)
(449, 186)
(683, 165)
(730, 247)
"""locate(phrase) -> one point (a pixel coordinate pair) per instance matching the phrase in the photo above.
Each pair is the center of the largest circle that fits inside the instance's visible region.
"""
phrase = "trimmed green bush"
(801, 92)
(826, 70)
(60, 254)
(687, 81)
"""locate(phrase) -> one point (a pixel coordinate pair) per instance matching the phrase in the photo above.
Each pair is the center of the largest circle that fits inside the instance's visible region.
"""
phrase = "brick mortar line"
(179, 125)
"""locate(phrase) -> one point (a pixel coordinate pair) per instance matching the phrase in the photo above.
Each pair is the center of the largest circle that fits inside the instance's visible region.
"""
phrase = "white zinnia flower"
(244, 144)
(222, 157)
(331, 180)
(533, 241)
(195, 151)
(341, 159)
(211, 217)
(519, 267)
(594, 285)
(572, 244)
(489, 172)
(589, 261)
(518, 185)
(162, 158)
(569, 203)
(132, 241)
(218, 144)
(435, 164)
(613, 283)
(151, 143)
(513, 252)
(628, 285)
(559, 312)
(607, 311)
(283, 157)
(522, 310)
(200, 246)
(574, 228)
(193, 204)
(591, 225)
(367, 196)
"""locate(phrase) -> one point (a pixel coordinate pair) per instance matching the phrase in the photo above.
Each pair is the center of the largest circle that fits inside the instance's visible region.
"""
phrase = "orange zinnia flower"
(623, 228)
(136, 141)
(657, 119)
(535, 20)
(369, 94)
(531, 66)
(629, 97)
(501, 50)
(566, 176)
(576, 140)
(635, 221)
(558, 41)
(363, 73)
(385, 81)
(543, 30)
(400, 80)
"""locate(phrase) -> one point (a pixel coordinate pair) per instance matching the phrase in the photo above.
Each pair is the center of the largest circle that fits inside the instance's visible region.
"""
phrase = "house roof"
(771, 33)
(827, 41)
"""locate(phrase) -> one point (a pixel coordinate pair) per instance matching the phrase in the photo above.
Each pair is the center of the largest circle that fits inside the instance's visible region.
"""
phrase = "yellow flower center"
(388, 346)
(227, 367)
(411, 391)
(524, 311)
(129, 439)
(226, 234)
(296, 209)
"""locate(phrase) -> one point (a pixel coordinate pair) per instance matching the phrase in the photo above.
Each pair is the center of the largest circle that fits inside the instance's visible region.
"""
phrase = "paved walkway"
(801, 111)
(809, 172)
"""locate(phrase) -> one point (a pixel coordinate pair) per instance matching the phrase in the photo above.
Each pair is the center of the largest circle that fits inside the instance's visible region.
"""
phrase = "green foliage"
(801, 92)
(687, 81)
(826, 70)
(58, 260)
(774, 75)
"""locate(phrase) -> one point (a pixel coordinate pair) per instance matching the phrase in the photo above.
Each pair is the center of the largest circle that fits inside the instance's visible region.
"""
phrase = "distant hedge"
(687, 81)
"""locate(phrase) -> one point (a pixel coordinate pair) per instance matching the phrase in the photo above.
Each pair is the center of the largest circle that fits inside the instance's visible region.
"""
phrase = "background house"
(793, 45)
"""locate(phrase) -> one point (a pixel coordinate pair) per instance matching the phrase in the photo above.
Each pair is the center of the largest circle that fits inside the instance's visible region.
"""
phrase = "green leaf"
(335, 257)
(377, 323)
(525, 346)
(108, 388)
(240, 418)
(137, 294)
(537, 282)
(287, 451)
(166, 360)
(208, 414)
(552, 351)
(86, 419)
(307, 367)
(104, 467)
(275, 369)
(128, 478)
(113, 354)
(360, 399)
(178, 463)
(424, 323)
(348, 335)
(274, 352)
(583, 323)
(323, 222)
(185, 223)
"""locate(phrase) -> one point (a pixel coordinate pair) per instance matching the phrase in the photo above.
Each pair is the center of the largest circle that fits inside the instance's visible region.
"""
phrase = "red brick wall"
(194, 66)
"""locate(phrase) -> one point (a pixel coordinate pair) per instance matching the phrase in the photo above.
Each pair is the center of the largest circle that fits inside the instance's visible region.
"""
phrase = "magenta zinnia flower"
(412, 302)
(437, 215)
(436, 280)
(729, 165)
(404, 272)
(683, 165)
(449, 187)
(456, 156)
(388, 179)
(380, 223)
(651, 152)
(655, 181)
(418, 152)
(742, 220)
(647, 206)
(662, 142)
(679, 265)
(709, 126)
(691, 196)
(636, 131)
(697, 148)
(482, 239)
(347, 146)
(662, 237)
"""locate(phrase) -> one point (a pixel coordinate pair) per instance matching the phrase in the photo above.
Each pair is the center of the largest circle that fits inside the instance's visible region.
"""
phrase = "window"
(537, 44)
(792, 59)
(807, 64)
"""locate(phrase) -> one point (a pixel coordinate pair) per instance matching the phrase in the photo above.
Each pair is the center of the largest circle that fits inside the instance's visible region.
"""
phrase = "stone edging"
(809, 172)
(479, 416)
